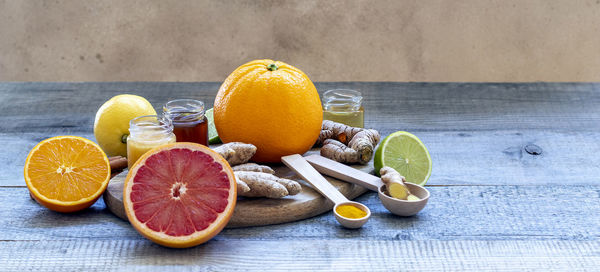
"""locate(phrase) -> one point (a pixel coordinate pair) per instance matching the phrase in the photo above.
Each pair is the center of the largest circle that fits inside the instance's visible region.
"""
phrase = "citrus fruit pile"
(183, 194)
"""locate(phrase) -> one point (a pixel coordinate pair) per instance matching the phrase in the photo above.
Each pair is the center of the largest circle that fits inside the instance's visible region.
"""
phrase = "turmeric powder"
(350, 211)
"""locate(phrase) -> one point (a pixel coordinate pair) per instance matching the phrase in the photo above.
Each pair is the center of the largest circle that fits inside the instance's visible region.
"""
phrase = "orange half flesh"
(66, 173)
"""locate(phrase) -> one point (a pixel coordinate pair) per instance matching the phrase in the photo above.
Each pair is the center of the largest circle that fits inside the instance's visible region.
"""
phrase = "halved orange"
(180, 195)
(66, 173)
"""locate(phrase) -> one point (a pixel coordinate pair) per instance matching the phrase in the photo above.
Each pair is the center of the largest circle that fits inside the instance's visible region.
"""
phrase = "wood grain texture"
(475, 132)
(300, 255)
(459, 158)
(453, 213)
(493, 206)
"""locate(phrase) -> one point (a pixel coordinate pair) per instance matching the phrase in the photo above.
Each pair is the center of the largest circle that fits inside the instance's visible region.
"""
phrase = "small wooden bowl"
(405, 207)
(349, 222)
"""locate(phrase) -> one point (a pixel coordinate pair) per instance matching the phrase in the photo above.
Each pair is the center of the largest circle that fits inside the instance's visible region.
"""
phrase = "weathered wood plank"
(475, 132)
(453, 213)
(70, 107)
(459, 158)
(334, 255)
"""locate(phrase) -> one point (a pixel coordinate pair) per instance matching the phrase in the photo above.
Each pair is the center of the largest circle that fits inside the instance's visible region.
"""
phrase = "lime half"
(213, 136)
(405, 153)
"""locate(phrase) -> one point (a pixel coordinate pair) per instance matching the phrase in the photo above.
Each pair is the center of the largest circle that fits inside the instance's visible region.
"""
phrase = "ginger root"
(267, 185)
(324, 135)
(395, 186)
(253, 167)
(364, 143)
(254, 180)
(235, 152)
(347, 144)
(339, 131)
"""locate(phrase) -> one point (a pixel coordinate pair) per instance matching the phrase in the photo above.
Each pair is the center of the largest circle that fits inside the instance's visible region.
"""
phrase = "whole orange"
(271, 105)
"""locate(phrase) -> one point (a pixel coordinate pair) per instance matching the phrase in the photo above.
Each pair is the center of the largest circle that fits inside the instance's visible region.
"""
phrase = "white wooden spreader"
(299, 165)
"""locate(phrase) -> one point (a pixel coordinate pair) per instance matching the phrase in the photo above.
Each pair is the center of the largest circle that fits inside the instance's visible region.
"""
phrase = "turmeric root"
(394, 183)
(339, 140)
(235, 152)
(364, 143)
(267, 185)
(253, 167)
(339, 131)
(324, 135)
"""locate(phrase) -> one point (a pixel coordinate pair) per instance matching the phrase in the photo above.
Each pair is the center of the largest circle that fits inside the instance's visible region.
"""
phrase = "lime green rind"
(213, 135)
(417, 150)
(214, 140)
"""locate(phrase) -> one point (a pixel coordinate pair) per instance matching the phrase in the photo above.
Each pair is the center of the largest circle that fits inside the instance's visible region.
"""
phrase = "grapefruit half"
(180, 195)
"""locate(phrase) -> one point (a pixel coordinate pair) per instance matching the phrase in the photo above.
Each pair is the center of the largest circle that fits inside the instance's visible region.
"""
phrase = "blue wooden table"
(515, 186)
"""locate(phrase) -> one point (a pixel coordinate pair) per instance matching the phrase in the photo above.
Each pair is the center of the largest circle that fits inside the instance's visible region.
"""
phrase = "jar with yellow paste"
(147, 132)
(344, 106)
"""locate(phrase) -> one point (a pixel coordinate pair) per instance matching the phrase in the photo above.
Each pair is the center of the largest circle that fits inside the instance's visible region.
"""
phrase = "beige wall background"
(332, 40)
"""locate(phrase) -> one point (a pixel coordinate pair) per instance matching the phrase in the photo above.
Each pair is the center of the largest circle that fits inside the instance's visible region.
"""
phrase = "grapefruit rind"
(55, 204)
(198, 237)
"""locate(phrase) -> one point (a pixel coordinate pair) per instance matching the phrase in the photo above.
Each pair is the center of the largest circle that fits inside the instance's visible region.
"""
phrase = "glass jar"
(189, 122)
(147, 132)
(344, 106)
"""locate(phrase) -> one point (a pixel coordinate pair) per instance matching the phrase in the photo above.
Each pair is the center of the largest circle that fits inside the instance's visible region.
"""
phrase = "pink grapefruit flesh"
(180, 195)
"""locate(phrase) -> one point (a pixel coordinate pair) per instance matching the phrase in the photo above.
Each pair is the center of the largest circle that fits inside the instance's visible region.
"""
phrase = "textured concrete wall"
(478, 40)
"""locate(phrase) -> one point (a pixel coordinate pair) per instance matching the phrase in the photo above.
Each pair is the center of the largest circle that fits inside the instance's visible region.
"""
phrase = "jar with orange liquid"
(189, 122)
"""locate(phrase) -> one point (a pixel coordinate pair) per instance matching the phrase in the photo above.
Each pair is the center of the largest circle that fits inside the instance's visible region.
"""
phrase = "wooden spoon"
(373, 183)
(299, 165)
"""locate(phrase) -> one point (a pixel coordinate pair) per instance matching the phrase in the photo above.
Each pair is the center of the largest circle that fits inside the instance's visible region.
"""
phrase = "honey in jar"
(188, 119)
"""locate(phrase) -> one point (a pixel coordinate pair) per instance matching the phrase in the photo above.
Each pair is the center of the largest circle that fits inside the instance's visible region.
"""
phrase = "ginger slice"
(395, 184)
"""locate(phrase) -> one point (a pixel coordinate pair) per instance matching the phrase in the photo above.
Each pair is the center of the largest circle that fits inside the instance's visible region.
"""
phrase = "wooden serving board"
(262, 211)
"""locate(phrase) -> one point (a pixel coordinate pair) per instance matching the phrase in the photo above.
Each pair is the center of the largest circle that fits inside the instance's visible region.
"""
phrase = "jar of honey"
(189, 122)
(147, 132)
(344, 106)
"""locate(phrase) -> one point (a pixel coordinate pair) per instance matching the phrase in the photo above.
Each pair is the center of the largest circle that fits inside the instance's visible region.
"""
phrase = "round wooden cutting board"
(262, 211)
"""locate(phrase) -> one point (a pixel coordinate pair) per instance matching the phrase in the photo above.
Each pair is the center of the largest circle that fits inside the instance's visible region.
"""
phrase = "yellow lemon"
(111, 126)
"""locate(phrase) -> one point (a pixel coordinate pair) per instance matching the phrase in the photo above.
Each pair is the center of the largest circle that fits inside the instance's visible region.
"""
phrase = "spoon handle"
(344, 172)
(308, 173)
